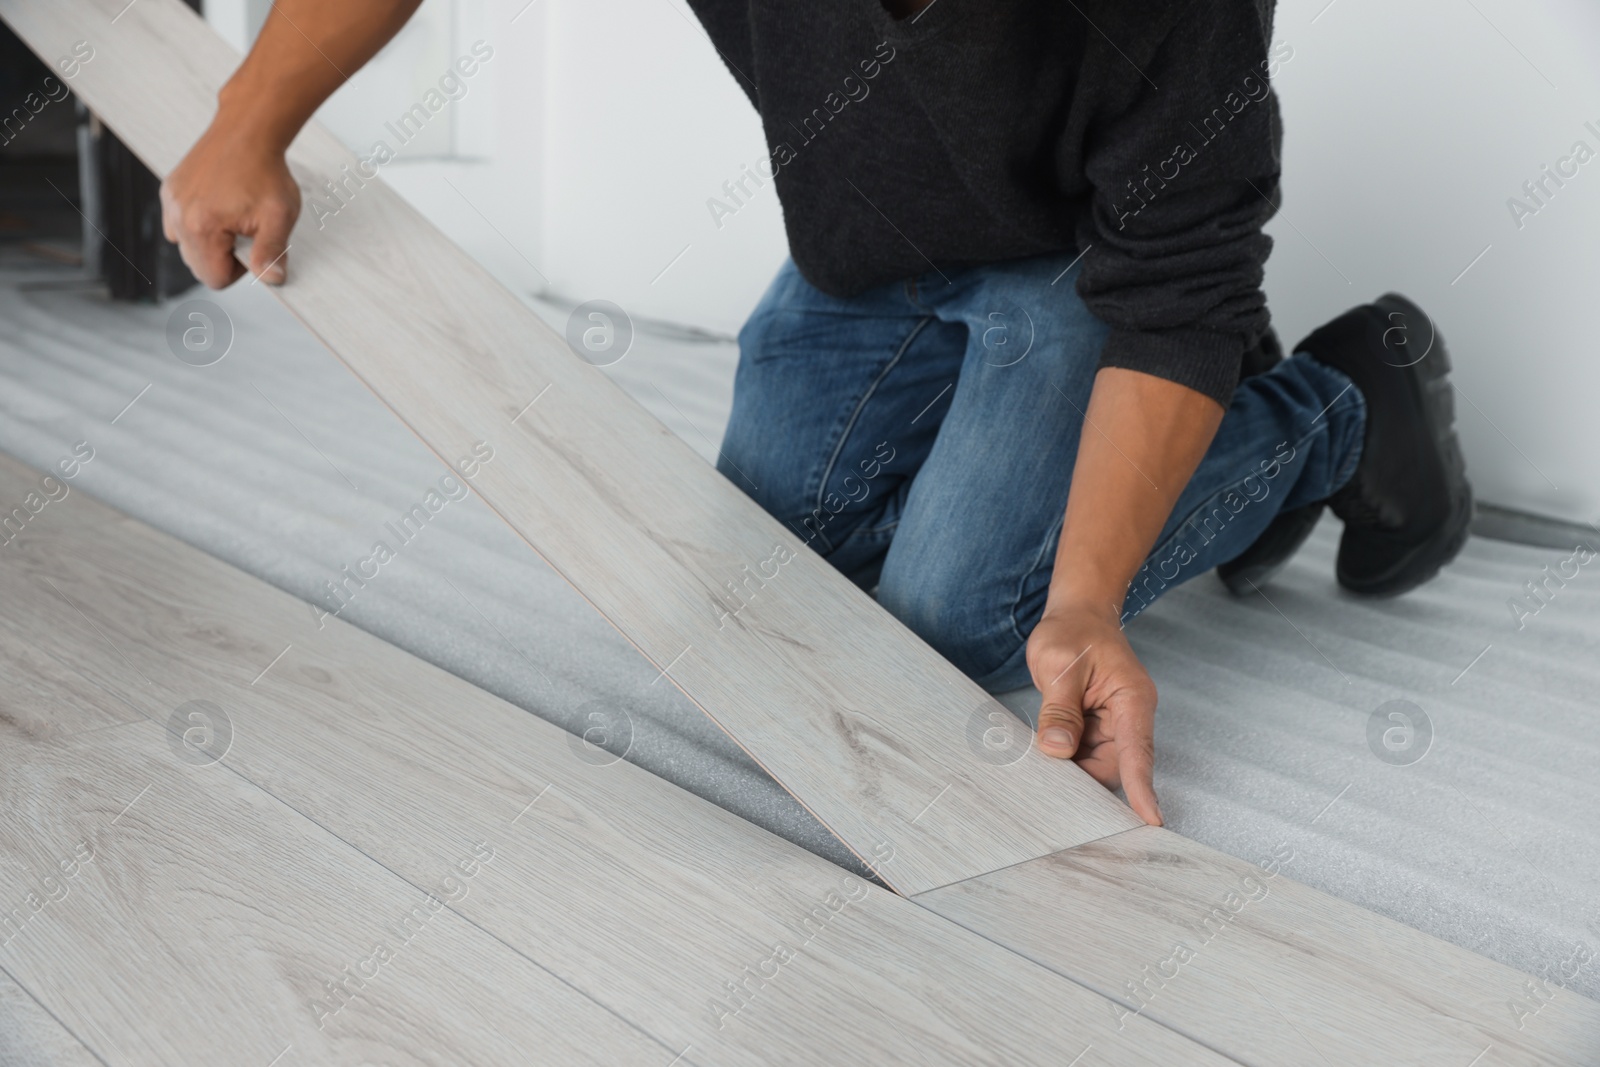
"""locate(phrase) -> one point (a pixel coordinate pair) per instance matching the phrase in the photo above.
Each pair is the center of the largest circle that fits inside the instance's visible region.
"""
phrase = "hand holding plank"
(231, 185)
(1099, 703)
(235, 182)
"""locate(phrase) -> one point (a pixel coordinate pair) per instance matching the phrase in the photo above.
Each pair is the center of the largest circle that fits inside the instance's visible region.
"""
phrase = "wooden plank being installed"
(1262, 968)
(715, 938)
(865, 724)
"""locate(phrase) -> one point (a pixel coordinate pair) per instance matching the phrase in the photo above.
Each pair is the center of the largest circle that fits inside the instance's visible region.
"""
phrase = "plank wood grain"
(722, 941)
(174, 914)
(46, 697)
(864, 723)
(1262, 968)
(30, 1037)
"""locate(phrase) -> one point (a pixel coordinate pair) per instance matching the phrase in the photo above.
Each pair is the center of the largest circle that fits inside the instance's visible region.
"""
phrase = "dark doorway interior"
(73, 195)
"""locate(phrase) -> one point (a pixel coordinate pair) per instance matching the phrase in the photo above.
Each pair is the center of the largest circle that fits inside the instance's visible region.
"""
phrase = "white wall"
(645, 124)
(1407, 128)
(398, 77)
(488, 195)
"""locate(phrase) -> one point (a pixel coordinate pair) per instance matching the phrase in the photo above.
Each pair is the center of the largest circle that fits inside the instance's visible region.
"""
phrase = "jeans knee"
(951, 613)
(767, 475)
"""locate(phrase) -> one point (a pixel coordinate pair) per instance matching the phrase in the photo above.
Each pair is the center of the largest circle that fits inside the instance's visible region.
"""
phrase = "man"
(1018, 376)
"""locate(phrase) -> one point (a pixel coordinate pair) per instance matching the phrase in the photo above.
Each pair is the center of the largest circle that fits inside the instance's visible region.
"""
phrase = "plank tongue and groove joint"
(864, 723)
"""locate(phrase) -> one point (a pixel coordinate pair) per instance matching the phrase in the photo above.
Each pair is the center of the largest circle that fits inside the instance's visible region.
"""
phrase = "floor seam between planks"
(1084, 984)
(469, 920)
(60, 1022)
(1020, 863)
(356, 849)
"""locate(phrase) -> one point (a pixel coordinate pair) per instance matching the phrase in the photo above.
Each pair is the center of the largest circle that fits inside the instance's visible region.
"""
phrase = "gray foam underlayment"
(1491, 841)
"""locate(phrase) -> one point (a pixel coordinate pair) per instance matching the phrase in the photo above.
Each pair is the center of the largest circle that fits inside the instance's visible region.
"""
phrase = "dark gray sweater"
(1144, 131)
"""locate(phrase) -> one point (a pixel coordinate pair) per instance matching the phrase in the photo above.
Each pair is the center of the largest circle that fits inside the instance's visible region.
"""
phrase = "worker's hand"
(231, 184)
(1099, 702)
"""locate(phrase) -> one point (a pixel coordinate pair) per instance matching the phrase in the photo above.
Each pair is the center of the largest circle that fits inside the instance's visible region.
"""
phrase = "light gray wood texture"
(45, 698)
(172, 914)
(1262, 968)
(641, 896)
(859, 719)
(30, 1037)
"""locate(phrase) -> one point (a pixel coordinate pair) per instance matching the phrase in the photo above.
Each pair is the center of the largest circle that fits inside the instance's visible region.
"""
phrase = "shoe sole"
(1425, 560)
(1423, 563)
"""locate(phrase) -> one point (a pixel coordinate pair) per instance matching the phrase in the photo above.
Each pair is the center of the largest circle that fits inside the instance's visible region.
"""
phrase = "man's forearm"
(306, 50)
(235, 180)
(1142, 439)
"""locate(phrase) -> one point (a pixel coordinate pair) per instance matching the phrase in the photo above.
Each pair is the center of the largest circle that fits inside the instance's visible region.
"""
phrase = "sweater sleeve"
(1183, 176)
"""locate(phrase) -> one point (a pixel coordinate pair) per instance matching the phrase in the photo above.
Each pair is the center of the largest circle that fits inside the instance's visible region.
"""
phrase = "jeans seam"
(855, 414)
(914, 296)
(867, 536)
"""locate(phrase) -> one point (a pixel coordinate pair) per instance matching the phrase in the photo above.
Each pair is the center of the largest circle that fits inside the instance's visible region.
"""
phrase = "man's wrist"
(1079, 602)
(244, 119)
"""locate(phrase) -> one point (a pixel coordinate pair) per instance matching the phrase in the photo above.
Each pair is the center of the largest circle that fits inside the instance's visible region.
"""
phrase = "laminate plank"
(170, 914)
(1262, 968)
(46, 697)
(29, 1037)
(39, 504)
(723, 941)
(864, 723)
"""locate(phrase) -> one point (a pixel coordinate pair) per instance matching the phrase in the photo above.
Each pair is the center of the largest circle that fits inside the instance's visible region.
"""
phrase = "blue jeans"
(921, 438)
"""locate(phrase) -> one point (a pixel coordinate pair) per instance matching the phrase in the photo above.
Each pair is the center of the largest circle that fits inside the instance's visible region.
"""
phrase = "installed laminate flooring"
(1265, 969)
(865, 724)
(28, 1034)
(710, 938)
(166, 916)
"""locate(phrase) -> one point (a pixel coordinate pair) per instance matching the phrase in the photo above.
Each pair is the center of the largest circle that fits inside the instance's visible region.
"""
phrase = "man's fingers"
(1136, 754)
(268, 253)
(205, 252)
(1096, 729)
(1099, 759)
(1061, 712)
(169, 214)
(1060, 727)
(1137, 764)
(209, 255)
(1097, 750)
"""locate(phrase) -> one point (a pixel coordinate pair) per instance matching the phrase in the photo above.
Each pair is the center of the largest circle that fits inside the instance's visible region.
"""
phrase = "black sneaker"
(1407, 508)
